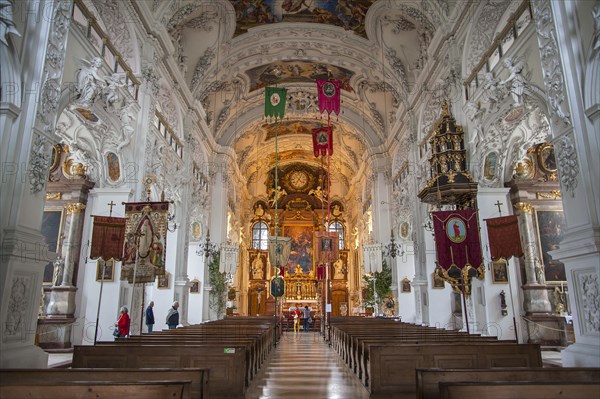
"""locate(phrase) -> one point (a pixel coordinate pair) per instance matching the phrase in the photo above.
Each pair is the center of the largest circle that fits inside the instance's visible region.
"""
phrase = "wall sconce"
(503, 303)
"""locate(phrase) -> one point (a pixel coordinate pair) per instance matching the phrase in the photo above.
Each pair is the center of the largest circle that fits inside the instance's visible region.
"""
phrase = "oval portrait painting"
(113, 166)
(456, 230)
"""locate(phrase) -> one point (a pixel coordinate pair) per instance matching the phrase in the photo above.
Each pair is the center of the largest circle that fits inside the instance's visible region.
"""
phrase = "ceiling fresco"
(297, 71)
(290, 128)
(348, 14)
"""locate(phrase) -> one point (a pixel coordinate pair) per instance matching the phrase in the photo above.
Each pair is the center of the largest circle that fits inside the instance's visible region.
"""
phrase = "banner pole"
(463, 283)
(100, 300)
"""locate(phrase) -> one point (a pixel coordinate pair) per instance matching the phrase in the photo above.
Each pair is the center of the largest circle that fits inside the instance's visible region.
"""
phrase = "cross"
(111, 204)
(498, 204)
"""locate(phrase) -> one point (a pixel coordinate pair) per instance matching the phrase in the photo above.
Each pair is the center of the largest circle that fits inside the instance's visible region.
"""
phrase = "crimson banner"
(504, 237)
(329, 96)
(108, 235)
(322, 141)
(326, 247)
(457, 239)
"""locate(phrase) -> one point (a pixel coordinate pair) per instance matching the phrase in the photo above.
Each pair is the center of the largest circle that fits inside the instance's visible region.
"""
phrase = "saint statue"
(59, 266)
(516, 80)
(338, 270)
(88, 81)
(257, 268)
(298, 269)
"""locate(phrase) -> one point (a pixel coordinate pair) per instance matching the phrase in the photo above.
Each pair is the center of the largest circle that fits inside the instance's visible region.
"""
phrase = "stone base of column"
(536, 299)
(549, 330)
(54, 334)
(581, 355)
(23, 357)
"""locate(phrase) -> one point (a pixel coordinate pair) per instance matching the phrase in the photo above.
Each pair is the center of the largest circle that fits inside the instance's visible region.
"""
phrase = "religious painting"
(405, 286)
(88, 115)
(499, 272)
(437, 281)
(550, 226)
(404, 230)
(196, 230)
(490, 165)
(297, 72)
(113, 166)
(286, 128)
(301, 252)
(349, 15)
(163, 281)
(51, 230)
(195, 286)
(109, 269)
(546, 158)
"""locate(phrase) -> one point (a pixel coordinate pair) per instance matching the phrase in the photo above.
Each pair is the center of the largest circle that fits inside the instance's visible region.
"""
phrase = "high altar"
(301, 211)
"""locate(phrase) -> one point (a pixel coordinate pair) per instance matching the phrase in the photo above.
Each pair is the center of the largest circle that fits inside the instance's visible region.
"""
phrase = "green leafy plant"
(382, 286)
(218, 293)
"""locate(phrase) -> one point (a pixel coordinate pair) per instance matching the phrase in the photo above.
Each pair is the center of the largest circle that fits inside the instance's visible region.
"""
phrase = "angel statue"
(277, 195)
(516, 80)
(491, 91)
(110, 91)
(319, 194)
(89, 83)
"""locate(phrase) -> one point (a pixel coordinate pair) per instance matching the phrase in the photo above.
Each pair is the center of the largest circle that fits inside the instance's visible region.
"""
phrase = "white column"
(577, 148)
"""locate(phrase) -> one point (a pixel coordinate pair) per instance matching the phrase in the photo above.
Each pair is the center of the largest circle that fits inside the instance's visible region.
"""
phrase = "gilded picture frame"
(405, 286)
(163, 282)
(437, 282)
(109, 271)
(195, 286)
(499, 272)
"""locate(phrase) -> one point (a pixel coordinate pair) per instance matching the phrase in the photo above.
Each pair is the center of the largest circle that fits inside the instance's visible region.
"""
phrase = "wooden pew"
(522, 390)
(99, 390)
(391, 368)
(25, 377)
(428, 379)
(227, 368)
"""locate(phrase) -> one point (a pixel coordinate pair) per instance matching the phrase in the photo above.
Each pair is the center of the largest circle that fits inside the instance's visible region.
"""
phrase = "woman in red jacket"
(123, 323)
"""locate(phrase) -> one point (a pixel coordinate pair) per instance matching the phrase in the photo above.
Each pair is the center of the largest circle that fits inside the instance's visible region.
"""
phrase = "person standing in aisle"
(150, 316)
(173, 316)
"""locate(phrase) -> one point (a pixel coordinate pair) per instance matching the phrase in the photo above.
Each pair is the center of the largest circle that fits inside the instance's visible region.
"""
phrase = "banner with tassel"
(322, 141)
(275, 102)
(329, 96)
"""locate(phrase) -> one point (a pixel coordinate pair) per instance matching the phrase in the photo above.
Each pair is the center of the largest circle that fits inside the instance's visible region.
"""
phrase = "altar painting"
(550, 225)
(301, 253)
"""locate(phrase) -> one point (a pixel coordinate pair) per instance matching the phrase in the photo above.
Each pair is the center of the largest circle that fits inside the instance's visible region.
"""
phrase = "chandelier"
(207, 248)
(393, 249)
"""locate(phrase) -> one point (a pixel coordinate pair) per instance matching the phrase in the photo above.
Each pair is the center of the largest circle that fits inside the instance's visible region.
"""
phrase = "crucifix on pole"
(110, 205)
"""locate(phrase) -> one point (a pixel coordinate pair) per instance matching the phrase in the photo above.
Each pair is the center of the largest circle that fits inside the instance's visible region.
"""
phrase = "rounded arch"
(260, 235)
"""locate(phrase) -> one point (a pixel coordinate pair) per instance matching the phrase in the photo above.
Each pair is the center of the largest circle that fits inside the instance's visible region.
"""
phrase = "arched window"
(337, 227)
(260, 234)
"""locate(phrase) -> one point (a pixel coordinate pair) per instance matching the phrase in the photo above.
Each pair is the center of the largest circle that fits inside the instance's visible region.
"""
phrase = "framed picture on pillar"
(163, 281)
(195, 287)
(437, 281)
(499, 272)
(405, 286)
(109, 271)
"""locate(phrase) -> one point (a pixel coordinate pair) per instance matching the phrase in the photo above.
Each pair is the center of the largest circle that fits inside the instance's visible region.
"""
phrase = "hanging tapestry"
(229, 258)
(322, 141)
(457, 239)
(108, 235)
(279, 251)
(326, 247)
(329, 96)
(275, 102)
(504, 237)
(373, 257)
(145, 240)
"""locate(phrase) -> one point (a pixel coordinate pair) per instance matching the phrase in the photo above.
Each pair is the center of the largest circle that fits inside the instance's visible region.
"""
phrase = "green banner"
(275, 102)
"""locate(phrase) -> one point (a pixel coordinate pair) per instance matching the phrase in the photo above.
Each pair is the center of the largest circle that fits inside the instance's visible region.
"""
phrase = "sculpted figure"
(89, 83)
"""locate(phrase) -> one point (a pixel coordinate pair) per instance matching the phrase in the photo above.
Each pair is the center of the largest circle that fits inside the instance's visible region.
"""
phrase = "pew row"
(391, 368)
(228, 365)
(428, 380)
(99, 390)
(197, 377)
(519, 390)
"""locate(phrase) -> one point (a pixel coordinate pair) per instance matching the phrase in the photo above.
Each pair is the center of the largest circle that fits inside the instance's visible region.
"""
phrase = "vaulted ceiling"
(230, 50)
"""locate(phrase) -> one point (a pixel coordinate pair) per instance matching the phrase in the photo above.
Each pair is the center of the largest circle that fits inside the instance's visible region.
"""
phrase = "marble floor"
(302, 367)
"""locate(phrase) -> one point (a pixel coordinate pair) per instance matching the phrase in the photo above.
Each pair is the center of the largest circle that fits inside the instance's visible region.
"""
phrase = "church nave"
(304, 366)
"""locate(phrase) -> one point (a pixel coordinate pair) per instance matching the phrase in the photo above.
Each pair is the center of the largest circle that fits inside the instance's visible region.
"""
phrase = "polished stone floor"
(304, 367)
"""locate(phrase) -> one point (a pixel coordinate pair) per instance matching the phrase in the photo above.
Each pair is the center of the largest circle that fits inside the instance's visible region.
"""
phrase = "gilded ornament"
(53, 196)
(74, 207)
(525, 207)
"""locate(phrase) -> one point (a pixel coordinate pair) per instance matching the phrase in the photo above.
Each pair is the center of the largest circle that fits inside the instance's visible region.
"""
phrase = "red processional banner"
(326, 247)
(108, 235)
(322, 141)
(504, 237)
(329, 96)
(457, 240)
